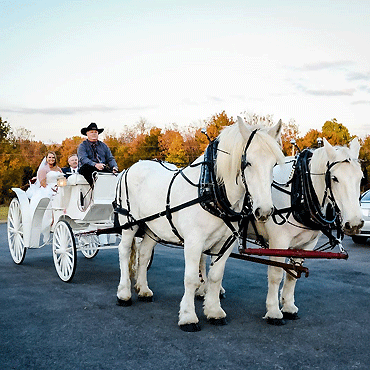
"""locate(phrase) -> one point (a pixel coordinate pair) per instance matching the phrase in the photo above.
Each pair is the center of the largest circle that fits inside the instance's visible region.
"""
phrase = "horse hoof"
(290, 316)
(275, 322)
(190, 327)
(218, 322)
(145, 298)
(122, 303)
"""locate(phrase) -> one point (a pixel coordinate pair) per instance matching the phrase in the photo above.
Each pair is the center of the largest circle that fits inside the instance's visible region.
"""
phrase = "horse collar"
(306, 207)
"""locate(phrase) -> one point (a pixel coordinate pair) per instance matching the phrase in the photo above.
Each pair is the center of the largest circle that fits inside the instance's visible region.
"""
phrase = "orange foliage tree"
(20, 156)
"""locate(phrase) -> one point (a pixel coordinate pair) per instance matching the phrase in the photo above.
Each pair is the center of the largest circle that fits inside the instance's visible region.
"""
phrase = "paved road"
(48, 324)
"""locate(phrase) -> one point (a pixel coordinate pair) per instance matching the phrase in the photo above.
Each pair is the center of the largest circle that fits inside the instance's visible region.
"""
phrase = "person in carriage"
(47, 175)
(72, 165)
(94, 155)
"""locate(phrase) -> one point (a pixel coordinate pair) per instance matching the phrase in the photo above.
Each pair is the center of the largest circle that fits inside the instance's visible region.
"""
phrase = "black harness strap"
(305, 205)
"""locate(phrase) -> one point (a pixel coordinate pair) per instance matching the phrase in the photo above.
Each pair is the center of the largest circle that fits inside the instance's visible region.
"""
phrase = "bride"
(44, 187)
(47, 175)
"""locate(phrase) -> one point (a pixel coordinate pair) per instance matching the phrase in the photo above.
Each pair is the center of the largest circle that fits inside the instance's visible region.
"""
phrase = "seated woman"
(47, 174)
(49, 165)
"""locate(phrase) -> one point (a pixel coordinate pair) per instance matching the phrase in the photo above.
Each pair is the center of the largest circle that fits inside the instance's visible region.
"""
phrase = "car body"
(365, 208)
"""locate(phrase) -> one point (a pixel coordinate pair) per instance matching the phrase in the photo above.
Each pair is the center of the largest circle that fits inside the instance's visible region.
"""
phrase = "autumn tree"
(289, 132)
(336, 133)
(171, 145)
(69, 146)
(310, 139)
(216, 123)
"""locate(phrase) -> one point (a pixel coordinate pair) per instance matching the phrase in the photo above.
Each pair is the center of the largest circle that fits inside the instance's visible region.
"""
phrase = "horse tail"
(133, 260)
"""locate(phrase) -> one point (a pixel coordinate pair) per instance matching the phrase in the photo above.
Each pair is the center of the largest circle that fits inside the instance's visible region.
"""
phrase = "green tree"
(336, 133)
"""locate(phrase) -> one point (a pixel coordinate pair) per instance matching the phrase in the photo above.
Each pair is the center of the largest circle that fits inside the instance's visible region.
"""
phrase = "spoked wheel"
(15, 232)
(64, 251)
(91, 250)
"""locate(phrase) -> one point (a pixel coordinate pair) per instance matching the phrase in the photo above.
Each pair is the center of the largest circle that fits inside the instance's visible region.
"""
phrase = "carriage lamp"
(62, 181)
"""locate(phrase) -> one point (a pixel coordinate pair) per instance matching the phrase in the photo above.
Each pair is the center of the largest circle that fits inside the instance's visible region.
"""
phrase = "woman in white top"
(49, 165)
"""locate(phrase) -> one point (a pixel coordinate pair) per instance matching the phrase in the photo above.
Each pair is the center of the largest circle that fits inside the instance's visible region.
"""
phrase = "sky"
(65, 64)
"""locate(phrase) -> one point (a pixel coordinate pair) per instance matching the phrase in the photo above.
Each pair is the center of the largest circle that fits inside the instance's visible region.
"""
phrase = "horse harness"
(211, 196)
(305, 205)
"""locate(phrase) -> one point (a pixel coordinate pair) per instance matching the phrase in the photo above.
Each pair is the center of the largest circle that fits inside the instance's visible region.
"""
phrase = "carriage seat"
(76, 179)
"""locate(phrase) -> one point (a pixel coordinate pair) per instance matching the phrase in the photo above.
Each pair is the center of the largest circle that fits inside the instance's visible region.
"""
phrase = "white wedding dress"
(40, 197)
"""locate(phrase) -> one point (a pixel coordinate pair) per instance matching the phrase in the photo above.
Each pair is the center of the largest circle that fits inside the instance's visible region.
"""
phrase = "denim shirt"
(86, 155)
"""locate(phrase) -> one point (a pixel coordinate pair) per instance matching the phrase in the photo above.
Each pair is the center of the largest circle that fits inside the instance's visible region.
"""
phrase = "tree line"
(20, 155)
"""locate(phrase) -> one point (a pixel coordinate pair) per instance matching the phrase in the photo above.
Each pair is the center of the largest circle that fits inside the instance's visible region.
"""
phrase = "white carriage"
(67, 216)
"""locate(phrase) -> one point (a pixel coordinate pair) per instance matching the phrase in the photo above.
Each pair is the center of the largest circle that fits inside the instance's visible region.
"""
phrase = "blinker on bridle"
(329, 166)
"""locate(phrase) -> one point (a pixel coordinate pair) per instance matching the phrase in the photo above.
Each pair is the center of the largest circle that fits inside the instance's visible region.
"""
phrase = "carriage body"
(66, 217)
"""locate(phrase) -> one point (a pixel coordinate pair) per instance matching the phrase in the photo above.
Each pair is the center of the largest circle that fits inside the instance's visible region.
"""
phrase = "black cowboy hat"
(91, 126)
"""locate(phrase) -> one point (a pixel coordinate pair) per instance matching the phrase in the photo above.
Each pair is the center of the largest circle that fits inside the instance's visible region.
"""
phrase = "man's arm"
(84, 155)
(109, 159)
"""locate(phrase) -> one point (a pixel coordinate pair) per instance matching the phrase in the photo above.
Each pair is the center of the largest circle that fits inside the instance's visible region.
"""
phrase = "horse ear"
(275, 131)
(330, 150)
(244, 130)
(354, 147)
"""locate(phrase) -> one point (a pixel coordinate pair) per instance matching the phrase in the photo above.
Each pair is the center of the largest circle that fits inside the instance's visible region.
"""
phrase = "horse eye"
(335, 179)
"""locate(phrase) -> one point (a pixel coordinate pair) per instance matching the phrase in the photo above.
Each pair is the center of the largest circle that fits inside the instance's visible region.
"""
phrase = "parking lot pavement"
(48, 324)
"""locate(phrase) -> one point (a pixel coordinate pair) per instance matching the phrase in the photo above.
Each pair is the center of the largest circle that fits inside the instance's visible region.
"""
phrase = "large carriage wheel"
(91, 250)
(15, 232)
(64, 251)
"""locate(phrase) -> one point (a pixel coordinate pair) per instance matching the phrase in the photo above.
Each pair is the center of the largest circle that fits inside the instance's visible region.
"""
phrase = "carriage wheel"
(91, 250)
(15, 232)
(64, 251)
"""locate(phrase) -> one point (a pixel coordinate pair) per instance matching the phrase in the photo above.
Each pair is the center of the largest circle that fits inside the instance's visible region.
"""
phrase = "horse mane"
(231, 148)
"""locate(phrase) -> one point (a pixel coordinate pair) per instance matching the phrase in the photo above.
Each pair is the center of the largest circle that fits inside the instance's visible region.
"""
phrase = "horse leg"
(289, 309)
(144, 253)
(124, 287)
(212, 306)
(201, 291)
(188, 320)
(275, 274)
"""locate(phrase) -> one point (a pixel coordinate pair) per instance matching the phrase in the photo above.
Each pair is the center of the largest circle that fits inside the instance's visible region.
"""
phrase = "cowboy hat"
(90, 127)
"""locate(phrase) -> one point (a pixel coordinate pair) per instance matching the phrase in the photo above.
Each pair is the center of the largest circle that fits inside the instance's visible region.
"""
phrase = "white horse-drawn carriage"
(66, 213)
(232, 193)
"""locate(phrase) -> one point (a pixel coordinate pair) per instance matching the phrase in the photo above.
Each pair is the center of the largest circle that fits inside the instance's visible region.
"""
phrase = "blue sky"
(65, 64)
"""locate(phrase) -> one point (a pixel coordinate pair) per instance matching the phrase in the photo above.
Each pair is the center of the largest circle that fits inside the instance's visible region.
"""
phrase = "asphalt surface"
(48, 324)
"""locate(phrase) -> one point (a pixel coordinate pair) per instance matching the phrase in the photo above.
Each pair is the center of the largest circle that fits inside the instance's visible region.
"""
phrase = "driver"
(94, 155)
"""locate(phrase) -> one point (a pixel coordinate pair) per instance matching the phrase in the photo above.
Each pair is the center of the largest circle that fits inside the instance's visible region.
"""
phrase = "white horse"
(336, 167)
(145, 191)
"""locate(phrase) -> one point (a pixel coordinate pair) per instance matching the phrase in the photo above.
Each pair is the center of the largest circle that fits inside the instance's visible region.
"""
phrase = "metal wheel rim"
(64, 251)
(15, 232)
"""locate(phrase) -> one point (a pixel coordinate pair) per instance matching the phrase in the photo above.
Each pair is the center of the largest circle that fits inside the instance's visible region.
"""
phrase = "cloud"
(364, 88)
(326, 65)
(216, 99)
(72, 110)
(361, 102)
(356, 76)
(344, 92)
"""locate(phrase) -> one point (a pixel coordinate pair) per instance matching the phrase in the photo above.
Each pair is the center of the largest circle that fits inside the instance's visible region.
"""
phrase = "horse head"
(253, 153)
(342, 177)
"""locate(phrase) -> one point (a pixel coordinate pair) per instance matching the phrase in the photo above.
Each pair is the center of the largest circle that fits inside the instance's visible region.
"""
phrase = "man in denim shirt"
(94, 155)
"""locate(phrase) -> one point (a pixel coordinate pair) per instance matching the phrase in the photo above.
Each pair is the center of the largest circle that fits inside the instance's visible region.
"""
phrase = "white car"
(365, 208)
